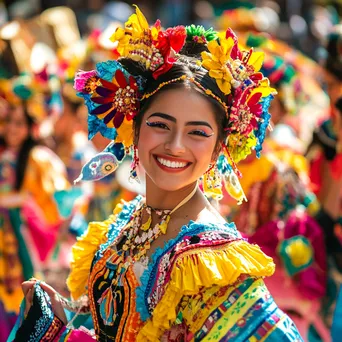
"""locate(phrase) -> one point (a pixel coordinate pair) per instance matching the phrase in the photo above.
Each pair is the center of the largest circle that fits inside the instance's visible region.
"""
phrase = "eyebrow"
(164, 116)
(172, 119)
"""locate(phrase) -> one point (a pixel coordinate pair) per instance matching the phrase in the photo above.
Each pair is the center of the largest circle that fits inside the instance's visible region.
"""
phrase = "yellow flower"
(155, 31)
(263, 88)
(256, 60)
(240, 146)
(215, 61)
(138, 22)
(123, 40)
(135, 27)
(125, 133)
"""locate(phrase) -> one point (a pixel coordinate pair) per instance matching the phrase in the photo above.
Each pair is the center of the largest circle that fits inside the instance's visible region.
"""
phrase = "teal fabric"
(24, 256)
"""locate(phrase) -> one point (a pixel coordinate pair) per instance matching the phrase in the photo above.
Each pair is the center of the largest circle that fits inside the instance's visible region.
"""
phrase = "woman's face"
(16, 129)
(177, 139)
(277, 110)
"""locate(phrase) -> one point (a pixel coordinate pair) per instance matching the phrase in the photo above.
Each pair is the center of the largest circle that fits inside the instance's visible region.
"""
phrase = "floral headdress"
(113, 96)
(41, 93)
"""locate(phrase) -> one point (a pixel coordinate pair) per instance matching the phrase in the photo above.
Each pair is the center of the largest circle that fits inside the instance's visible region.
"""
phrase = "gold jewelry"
(161, 85)
(212, 183)
(191, 79)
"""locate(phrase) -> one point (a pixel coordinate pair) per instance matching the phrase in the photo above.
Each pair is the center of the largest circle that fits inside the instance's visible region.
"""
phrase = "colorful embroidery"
(54, 330)
(247, 312)
(192, 236)
(205, 285)
(46, 319)
(113, 309)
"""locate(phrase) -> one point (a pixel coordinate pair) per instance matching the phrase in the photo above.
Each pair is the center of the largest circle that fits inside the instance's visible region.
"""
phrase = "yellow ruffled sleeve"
(83, 253)
(204, 268)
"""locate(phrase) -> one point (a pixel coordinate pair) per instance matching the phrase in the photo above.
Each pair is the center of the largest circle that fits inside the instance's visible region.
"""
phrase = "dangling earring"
(233, 186)
(133, 173)
(212, 183)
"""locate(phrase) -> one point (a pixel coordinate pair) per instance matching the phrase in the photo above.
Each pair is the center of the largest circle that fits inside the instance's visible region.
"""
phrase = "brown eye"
(201, 133)
(157, 124)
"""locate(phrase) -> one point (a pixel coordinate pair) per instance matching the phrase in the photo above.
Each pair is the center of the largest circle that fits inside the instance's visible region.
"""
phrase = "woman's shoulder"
(202, 255)
(96, 238)
(200, 245)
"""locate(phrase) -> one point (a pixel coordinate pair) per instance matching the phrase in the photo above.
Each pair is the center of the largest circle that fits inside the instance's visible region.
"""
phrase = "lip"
(169, 169)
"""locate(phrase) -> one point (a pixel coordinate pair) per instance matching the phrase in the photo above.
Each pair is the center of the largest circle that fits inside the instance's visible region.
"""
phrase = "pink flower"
(82, 79)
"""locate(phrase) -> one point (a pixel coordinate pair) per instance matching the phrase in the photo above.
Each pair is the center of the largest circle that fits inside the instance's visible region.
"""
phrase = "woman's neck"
(161, 199)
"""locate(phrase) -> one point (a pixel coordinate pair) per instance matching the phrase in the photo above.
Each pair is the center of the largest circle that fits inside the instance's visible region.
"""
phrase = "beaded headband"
(113, 95)
(191, 79)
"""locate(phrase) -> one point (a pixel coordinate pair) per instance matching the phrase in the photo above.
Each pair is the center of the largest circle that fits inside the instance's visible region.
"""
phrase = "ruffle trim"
(198, 268)
(96, 239)
(84, 250)
(149, 276)
(83, 253)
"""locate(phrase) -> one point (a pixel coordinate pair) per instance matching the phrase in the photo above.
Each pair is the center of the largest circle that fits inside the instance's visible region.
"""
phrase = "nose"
(175, 144)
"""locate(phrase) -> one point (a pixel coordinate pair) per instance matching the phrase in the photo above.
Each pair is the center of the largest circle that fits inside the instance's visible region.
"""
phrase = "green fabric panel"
(24, 256)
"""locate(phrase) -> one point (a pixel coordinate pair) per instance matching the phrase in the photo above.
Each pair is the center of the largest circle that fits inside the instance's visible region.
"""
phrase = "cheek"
(203, 151)
(148, 140)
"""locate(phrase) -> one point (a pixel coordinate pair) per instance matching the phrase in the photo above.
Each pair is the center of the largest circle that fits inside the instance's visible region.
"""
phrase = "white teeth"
(172, 165)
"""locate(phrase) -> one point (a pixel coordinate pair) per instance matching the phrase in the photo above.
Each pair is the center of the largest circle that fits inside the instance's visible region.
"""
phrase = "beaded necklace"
(136, 245)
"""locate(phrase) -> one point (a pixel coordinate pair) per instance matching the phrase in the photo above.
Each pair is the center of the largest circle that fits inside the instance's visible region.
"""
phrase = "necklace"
(136, 245)
(133, 248)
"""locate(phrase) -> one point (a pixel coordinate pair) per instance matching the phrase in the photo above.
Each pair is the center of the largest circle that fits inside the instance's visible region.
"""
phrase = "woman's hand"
(57, 307)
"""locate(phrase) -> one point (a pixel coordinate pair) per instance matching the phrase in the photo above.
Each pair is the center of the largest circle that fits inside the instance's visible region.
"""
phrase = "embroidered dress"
(204, 285)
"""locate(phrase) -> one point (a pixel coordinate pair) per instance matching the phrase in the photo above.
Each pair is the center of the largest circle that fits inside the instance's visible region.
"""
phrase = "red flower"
(256, 77)
(117, 100)
(245, 114)
(169, 42)
(235, 53)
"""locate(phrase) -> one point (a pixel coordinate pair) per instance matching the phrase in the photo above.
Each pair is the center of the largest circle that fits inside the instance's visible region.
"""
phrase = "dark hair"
(185, 65)
(338, 104)
(333, 63)
(24, 152)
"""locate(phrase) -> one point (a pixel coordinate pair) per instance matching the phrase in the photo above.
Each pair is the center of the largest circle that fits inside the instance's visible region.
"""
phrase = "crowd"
(286, 198)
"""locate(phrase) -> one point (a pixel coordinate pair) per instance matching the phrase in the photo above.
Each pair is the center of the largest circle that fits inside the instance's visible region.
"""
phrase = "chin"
(171, 183)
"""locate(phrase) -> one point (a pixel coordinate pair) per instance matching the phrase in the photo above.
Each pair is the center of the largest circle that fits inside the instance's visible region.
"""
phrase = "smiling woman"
(181, 142)
(168, 267)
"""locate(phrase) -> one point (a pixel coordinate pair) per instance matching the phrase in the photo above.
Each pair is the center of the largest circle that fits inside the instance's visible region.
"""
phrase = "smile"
(171, 164)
